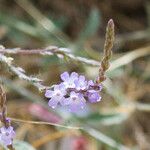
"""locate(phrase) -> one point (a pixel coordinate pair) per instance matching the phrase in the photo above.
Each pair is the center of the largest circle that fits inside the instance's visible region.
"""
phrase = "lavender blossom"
(69, 80)
(81, 83)
(93, 96)
(90, 83)
(56, 96)
(74, 91)
(75, 102)
(6, 135)
(95, 86)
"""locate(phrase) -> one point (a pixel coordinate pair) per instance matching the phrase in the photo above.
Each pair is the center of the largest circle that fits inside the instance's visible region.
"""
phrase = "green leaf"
(92, 24)
(99, 136)
(106, 119)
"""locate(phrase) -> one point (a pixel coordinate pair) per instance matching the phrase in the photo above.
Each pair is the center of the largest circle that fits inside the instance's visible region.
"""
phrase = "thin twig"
(45, 123)
(129, 57)
(96, 134)
(21, 73)
(51, 50)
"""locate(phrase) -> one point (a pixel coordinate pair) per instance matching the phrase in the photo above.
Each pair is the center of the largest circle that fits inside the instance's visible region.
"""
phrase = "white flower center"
(74, 98)
(7, 134)
(58, 93)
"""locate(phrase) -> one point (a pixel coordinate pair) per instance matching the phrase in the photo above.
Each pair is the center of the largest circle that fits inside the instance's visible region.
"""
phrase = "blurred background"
(121, 120)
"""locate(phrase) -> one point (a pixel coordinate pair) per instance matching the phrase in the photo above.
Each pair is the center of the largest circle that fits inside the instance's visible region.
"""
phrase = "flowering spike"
(109, 41)
(73, 92)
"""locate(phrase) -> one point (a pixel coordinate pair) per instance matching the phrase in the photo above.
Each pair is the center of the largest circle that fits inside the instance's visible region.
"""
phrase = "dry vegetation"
(121, 120)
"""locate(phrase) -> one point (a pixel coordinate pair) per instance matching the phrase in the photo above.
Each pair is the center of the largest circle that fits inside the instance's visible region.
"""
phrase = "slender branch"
(94, 133)
(44, 123)
(64, 52)
(129, 57)
(51, 50)
(21, 73)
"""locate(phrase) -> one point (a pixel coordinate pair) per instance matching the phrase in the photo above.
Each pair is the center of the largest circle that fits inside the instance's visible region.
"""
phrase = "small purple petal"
(94, 96)
(100, 87)
(81, 83)
(74, 76)
(62, 89)
(74, 107)
(64, 76)
(81, 78)
(5, 140)
(65, 101)
(73, 94)
(8, 120)
(61, 86)
(77, 102)
(7, 135)
(53, 102)
(48, 93)
(90, 83)
(56, 87)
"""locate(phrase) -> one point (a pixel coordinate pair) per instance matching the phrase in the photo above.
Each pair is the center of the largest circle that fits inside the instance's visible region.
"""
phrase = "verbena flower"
(6, 135)
(74, 91)
(69, 80)
(93, 96)
(81, 83)
(75, 102)
(56, 96)
(90, 83)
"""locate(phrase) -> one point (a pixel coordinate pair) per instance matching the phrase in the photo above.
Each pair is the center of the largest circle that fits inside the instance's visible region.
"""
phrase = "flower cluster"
(74, 91)
(7, 134)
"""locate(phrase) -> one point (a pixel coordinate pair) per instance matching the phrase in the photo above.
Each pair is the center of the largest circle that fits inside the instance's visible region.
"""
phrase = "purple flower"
(68, 80)
(81, 83)
(75, 102)
(94, 86)
(91, 83)
(93, 96)
(99, 86)
(73, 92)
(6, 135)
(56, 96)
